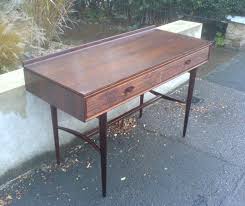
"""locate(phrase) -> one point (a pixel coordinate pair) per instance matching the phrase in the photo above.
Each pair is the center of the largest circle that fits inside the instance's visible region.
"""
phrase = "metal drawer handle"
(187, 62)
(129, 89)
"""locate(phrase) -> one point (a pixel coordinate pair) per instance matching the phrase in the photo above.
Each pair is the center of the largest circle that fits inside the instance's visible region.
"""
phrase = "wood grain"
(115, 96)
(55, 95)
(94, 68)
(94, 78)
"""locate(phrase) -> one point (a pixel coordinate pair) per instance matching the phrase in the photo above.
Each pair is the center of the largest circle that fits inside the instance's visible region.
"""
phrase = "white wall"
(25, 123)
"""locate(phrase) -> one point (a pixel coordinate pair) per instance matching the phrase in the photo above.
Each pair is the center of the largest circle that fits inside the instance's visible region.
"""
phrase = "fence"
(135, 12)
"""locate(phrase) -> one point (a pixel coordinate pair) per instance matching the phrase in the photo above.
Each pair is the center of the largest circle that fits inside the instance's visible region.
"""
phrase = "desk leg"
(56, 133)
(103, 149)
(189, 98)
(141, 102)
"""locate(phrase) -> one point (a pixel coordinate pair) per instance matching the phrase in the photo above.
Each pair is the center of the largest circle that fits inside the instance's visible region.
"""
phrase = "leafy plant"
(154, 11)
(219, 39)
(94, 15)
(149, 11)
(215, 9)
(11, 46)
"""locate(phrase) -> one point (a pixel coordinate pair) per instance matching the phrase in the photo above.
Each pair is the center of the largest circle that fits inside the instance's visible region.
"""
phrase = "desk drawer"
(108, 99)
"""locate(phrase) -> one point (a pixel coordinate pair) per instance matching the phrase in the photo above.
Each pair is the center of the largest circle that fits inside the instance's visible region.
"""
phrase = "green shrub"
(94, 15)
(219, 39)
(153, 11)
(215, 9)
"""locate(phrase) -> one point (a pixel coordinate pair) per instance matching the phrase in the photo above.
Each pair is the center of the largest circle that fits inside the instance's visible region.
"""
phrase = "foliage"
(94, 15)
(50, 15)
(144, 11)
(219, 39)
(11, 46)
(135, 11)
(32, 37)
(11, 38)
(18, 36)
(25, 29)
(152, 11)
(216, 9)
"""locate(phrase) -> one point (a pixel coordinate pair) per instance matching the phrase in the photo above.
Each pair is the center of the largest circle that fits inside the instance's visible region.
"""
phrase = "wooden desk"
(89, 80)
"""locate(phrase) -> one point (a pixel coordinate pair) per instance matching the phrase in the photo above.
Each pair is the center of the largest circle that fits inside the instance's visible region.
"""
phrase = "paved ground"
(153, 165)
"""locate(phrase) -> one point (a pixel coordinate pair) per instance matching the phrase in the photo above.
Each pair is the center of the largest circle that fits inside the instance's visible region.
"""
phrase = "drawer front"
(108, 99)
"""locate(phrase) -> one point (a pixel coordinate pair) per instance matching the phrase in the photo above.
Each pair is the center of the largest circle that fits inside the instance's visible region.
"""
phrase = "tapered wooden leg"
(56, 133)
(141, 102)
(189, 99)
(103, 149)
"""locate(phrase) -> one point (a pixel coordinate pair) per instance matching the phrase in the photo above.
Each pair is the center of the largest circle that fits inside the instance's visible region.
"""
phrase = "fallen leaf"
(63, 169)
(88, 165)
(123, 178)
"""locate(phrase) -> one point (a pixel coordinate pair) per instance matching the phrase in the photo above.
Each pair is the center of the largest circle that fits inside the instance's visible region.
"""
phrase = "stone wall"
(235, 35)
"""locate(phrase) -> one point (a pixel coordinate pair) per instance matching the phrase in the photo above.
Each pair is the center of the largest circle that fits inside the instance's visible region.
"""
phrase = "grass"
(11, 46)
(50, 15)
(28, 29)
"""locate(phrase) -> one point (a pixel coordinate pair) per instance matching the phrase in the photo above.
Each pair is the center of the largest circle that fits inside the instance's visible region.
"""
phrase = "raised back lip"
(87, 45)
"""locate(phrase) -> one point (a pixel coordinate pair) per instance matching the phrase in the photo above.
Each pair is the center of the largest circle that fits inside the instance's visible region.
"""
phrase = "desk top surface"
(90, 69)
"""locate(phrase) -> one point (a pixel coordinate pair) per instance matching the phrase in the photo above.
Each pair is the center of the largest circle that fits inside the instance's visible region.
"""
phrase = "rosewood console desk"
(90, 80)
